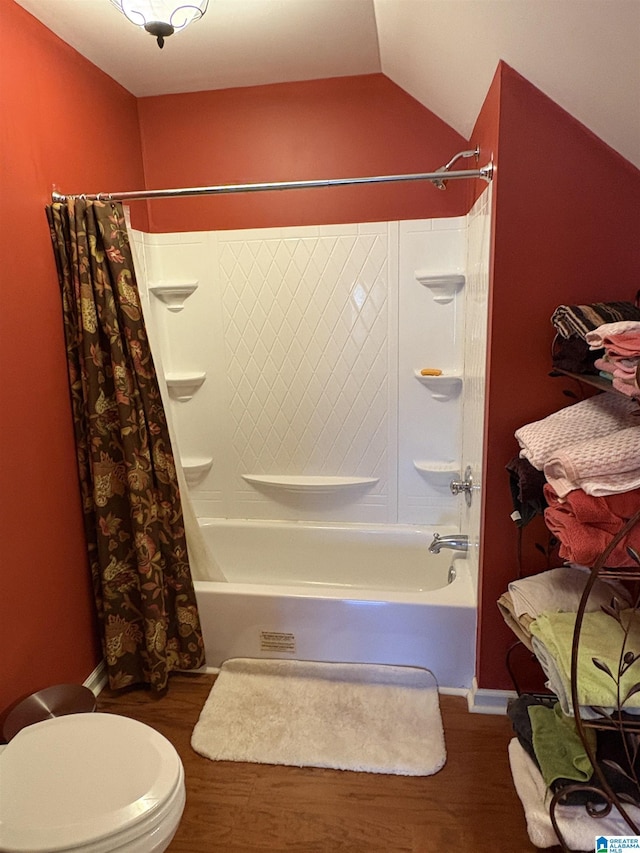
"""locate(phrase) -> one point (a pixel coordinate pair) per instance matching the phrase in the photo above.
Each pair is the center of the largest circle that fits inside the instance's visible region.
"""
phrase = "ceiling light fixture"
(161, 18)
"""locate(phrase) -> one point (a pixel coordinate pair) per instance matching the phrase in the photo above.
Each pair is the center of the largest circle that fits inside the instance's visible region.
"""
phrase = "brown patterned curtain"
(133, 517)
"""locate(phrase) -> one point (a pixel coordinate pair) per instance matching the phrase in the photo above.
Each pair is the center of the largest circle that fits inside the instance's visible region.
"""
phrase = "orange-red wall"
(62, 122)
(316, 130)
(567, 227)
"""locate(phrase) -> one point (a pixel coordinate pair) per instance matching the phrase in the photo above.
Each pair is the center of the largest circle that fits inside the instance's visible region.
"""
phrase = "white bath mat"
(377, 719)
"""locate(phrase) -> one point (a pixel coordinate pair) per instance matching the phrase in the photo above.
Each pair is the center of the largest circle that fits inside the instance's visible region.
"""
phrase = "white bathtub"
(337, 592)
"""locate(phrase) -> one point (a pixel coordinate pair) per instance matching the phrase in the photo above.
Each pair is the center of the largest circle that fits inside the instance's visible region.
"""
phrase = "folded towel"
(604, 365)
(600, 415)
(561, 590)
(557, 682)
(611, 750)
(577, 827)
(518, 624)
(629, 388)
(572, 355)
(625, 368)
(624, 335)
(602, 638)
(603, 465)
(585, 525)
(577, 320)
(526, 484)
(559, 750)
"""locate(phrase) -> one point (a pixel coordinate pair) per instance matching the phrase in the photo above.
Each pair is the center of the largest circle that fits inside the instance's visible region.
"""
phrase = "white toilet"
(89, 783)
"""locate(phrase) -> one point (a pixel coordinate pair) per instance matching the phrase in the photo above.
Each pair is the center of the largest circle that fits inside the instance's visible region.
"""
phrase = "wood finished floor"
(468, 807)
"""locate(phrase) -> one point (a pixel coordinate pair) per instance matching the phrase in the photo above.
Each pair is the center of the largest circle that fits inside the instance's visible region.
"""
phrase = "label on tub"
(277, 641)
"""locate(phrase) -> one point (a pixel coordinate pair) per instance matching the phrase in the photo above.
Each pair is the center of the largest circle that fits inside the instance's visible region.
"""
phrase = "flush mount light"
(161, 18)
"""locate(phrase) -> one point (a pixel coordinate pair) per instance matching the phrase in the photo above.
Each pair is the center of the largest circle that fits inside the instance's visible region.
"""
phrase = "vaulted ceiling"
(585, 54)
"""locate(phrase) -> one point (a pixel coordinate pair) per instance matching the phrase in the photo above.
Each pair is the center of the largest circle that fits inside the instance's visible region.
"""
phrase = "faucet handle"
(463, 486)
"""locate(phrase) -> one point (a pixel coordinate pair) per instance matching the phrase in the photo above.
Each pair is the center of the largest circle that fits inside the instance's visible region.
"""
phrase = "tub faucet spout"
(456, 542)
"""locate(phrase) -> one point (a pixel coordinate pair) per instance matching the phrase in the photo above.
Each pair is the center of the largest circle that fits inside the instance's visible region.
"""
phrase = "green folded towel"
(601, 637)
(560, 751)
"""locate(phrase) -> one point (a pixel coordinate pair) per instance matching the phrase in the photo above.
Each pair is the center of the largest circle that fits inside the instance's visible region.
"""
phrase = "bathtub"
(338, 592)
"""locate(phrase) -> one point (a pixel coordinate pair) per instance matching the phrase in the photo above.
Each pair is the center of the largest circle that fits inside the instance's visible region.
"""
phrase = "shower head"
(442, 184)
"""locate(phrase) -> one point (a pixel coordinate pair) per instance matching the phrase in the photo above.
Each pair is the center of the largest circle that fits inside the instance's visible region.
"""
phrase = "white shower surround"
(309, 340)
(303, 345)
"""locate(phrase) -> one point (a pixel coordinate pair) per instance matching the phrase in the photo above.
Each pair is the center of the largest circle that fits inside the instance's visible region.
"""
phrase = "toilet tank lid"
(71, 780)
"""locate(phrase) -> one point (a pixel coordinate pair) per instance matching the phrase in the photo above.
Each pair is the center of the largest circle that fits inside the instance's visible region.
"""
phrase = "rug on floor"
(365, 717)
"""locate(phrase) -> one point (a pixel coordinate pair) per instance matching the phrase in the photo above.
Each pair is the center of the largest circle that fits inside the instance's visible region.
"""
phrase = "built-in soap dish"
(437, 472)
(173, 293)
(195, 468)
(444, 387)
(182, 386)
(442, 287)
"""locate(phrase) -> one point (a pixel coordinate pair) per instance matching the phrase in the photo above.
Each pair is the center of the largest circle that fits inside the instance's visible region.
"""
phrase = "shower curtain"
(133, 518)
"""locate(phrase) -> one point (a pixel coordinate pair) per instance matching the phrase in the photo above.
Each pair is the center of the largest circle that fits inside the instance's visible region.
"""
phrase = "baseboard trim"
(98, 679)
(483, 701)
(454, 691)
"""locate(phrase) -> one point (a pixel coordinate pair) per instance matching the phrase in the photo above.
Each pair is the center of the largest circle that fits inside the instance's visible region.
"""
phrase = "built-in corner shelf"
(195, 468)
(439, 473)
(446, 386)
(173, 293)
(442, 287)
(308, 484)
(182, 386)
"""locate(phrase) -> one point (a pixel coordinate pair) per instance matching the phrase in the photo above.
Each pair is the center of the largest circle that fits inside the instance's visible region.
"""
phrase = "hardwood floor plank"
(239, 808)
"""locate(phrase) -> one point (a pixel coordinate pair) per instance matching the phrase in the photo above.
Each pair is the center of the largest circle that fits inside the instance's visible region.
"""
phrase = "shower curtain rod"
(438, 178)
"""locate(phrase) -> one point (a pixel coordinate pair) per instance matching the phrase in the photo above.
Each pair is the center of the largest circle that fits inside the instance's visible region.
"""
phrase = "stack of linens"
(578, 828)
(621, 359)
(573, 322)
(556, 590)
(602, 686)
(589, 453)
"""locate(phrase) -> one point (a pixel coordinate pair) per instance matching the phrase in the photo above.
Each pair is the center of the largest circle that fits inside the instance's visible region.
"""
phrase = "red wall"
(567, 222)
(316, 130)
(62, 123)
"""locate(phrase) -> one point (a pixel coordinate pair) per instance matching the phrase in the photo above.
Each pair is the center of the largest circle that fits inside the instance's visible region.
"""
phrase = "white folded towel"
(560, 590)
(589, 419)
(600, 466)
(577, 827)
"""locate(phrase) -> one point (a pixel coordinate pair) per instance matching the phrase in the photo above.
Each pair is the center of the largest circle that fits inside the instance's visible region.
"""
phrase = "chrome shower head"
(442, 184)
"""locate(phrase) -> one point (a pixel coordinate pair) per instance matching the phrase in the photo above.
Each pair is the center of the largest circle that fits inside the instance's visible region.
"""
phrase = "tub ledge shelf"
(307, 484)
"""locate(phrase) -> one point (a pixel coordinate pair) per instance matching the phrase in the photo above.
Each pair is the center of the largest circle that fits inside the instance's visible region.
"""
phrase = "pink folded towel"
(623, 346)
(604, 365)
(600, 466)
(597, 338)
(626, 386)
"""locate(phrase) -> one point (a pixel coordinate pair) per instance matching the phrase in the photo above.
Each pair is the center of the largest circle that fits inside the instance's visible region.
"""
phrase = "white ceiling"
(585, 54)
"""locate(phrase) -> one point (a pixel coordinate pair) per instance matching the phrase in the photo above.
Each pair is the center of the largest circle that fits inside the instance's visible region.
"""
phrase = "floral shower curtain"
(133, 517)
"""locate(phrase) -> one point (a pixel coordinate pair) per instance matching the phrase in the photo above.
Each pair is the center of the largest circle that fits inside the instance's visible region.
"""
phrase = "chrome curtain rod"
(438, 178)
